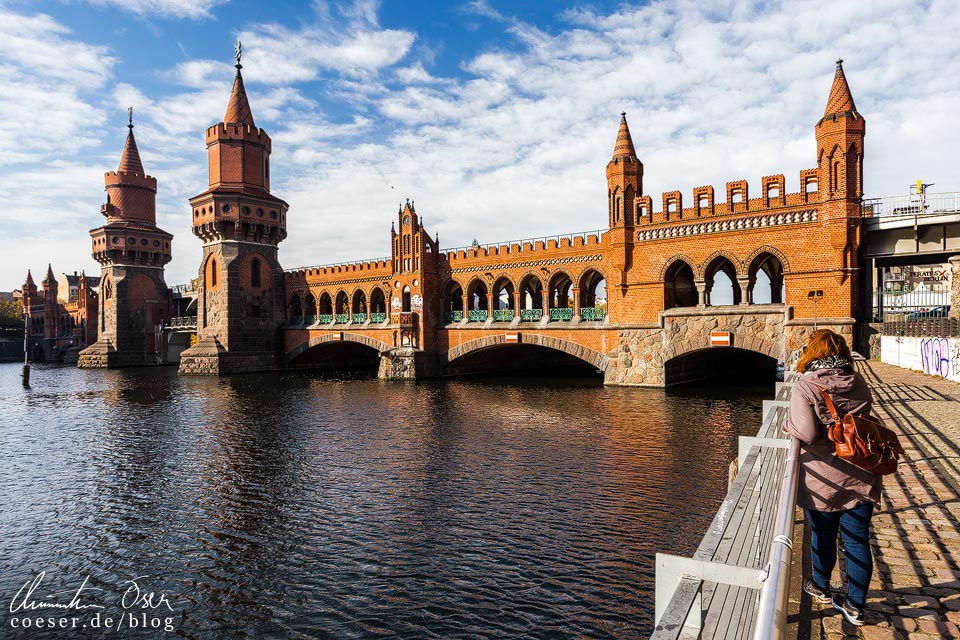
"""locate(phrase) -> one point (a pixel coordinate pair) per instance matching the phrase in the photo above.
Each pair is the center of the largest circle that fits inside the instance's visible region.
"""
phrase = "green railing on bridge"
(359, 317)
(477, 315)
(343, 318)
(592, 313)
(531, 315)
(325, 318)
(453, 316)
(502, 315)
(378, 318)
(561, 313)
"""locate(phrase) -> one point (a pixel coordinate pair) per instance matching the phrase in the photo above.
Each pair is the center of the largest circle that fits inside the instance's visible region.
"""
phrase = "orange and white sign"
(720, 339)
(512, 337)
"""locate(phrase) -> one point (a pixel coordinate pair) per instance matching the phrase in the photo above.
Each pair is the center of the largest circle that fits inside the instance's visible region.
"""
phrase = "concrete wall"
(936, 356)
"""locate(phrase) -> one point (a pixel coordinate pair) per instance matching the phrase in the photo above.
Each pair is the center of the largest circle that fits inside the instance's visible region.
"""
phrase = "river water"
(304, 506)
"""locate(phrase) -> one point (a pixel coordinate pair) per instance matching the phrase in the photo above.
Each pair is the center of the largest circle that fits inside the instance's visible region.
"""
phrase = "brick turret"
(624, 186)
(132, 252)
(840, 135)
(241, 224)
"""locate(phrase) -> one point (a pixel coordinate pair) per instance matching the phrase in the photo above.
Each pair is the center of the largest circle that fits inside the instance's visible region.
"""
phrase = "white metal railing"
(913, 204)
(747, 551)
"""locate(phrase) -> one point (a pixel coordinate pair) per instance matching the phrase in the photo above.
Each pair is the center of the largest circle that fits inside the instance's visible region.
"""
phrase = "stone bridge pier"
(688, 344)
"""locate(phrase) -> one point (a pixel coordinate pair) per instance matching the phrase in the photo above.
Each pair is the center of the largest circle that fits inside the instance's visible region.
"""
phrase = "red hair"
(821, 344)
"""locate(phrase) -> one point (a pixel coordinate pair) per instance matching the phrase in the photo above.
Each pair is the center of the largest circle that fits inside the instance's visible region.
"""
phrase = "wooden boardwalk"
(915, 592)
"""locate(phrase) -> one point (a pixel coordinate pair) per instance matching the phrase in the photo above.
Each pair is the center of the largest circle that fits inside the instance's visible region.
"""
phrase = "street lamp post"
(813, 295)
(26, 351)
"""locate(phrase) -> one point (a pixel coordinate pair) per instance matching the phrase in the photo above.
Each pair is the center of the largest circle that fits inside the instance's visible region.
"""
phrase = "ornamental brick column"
(701, 292)
(746, 295)
(576, 302)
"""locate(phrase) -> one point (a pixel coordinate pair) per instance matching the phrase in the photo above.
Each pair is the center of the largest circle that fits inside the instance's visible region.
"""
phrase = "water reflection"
(285, 504)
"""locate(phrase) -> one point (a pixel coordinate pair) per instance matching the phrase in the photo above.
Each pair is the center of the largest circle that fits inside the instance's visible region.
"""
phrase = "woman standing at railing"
(838, 497)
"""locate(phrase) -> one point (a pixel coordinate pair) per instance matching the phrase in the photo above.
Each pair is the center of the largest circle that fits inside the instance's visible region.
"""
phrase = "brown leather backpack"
(863, 441)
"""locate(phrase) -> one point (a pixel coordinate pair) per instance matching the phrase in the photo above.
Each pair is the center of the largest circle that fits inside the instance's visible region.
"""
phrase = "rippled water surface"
(292, 505)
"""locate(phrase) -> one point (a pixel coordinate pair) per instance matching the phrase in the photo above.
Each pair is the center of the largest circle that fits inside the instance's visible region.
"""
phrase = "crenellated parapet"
(239, 131)
(703, 205)
(339, 274)
(529, 248)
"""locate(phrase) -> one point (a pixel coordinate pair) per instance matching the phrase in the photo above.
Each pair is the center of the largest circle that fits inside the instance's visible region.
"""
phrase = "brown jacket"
(828, 483)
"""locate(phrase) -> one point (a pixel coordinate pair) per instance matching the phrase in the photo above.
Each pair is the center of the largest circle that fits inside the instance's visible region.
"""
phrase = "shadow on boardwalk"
(915, 592)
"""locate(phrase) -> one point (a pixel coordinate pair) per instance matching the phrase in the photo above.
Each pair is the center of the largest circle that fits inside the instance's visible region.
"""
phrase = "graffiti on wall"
(935, 355)
(955, 359)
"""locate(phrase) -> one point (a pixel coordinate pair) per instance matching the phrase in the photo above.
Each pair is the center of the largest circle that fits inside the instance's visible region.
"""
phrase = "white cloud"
(516, 143)
(169, 9)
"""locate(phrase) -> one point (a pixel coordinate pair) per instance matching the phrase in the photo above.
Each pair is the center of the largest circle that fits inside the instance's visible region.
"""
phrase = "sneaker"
(853, 615)
(820, 595)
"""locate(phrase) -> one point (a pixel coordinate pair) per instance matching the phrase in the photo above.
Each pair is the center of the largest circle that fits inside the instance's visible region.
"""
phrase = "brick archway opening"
(522, 360)
(727, 366)
(351, 353)
(536, 355)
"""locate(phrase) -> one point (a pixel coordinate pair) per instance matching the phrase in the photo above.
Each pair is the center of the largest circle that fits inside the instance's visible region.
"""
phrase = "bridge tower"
(241, 224)
(840, 135)
(414, 298)
(132, 252)
(624, 186)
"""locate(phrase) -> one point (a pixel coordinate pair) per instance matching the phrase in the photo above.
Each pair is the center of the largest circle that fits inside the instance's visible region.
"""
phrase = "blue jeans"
(854, 526)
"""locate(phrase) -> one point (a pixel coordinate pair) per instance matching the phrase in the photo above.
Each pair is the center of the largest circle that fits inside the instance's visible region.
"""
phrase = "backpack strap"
(831, 408)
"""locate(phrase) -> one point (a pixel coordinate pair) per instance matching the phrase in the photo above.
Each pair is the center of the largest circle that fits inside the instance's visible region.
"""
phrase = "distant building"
(61, 314)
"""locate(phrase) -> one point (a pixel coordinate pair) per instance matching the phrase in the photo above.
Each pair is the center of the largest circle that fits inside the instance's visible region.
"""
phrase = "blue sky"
(496, 117)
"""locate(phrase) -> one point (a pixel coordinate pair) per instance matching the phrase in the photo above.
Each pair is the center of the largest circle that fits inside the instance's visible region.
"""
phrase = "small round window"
(226, 208)
(273, 215)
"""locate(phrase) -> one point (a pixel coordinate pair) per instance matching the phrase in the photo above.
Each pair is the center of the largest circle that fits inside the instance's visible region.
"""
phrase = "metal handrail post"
(772, 609)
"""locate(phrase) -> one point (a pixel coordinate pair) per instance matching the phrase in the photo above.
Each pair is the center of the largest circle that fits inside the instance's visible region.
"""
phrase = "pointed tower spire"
(29, 281)
(238, 108)
(840, 100)
(624, 147)
(130, 159)
(50, 275)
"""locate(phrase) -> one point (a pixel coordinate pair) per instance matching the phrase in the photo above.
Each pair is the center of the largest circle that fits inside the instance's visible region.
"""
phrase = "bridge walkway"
(915, 592)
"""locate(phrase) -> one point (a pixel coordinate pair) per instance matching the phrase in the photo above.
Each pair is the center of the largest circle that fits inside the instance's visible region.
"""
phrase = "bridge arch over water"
(337, 340)
(543, 343)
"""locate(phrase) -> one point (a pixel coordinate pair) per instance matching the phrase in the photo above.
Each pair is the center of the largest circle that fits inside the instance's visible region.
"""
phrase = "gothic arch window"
(406, 300)
(503, 294)
(309, 309)
(722, 287)
(295, 310)
(255, 272)
(628, 205)
(679, 289)
(766, 280)
(561, 291)
(593, 291)
(325, 306)
(378, 302)
(452, 297)
(213, 272)
(477, 295)
(531, 292)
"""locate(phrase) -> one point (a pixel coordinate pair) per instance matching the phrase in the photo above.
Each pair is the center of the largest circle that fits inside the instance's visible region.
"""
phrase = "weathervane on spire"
(238, 48)
(130, 117)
